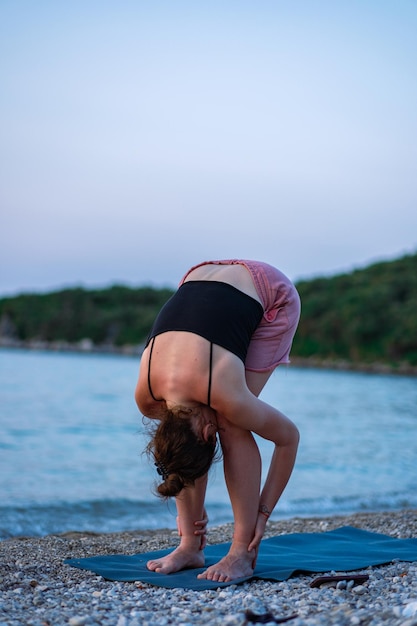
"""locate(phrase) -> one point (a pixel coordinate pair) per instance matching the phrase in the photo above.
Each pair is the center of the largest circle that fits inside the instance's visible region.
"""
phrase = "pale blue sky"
(139, 138)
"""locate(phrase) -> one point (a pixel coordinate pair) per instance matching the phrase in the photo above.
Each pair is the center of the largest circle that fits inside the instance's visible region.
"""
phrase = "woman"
(210, 352)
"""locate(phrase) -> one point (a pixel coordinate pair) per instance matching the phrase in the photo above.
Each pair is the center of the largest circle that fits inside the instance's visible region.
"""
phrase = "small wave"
(339, 505)
(95, 516)
(105, 516)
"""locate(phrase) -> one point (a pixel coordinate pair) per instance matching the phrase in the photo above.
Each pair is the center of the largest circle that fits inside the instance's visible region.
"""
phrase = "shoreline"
(38, 588)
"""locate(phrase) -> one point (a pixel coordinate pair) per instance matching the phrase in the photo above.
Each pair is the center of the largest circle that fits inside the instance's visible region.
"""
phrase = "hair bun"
(171, 486)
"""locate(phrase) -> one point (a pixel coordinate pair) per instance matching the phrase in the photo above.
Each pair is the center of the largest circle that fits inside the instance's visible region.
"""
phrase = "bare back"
(235, 275)
(180, 363)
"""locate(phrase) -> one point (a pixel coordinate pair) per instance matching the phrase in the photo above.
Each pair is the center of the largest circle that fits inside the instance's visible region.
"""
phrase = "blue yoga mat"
(344, 549)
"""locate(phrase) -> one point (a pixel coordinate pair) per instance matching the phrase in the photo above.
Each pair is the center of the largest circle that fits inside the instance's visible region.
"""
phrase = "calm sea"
(71, 443)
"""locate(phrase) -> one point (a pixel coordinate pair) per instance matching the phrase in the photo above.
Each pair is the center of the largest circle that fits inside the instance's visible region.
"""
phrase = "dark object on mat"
(343, 549)
(264, 618)
(323, 580)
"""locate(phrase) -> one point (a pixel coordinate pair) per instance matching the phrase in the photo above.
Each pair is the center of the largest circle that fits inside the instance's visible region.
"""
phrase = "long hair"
(178, 453)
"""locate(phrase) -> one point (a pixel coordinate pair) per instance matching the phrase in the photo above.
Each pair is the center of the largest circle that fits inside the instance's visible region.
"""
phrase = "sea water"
(72, 442)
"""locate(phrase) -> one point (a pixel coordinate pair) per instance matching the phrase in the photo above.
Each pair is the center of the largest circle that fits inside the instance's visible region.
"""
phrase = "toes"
(215, 576)
(158, 569)
(154, 566)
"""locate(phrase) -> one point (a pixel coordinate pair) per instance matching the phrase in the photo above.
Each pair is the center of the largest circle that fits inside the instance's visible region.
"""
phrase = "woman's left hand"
(201, 529)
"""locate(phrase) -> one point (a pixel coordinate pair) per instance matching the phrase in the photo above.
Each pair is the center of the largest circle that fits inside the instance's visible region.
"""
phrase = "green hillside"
(364, 316)
(118, 315)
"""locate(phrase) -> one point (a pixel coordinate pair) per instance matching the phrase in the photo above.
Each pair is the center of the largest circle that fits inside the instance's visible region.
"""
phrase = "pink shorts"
(272, 340)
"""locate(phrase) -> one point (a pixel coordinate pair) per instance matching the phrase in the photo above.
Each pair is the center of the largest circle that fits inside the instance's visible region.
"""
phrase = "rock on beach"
(38, 589)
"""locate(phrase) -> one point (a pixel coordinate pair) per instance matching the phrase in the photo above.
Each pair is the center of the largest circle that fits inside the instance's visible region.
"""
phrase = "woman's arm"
(249, 413)
(280, 469)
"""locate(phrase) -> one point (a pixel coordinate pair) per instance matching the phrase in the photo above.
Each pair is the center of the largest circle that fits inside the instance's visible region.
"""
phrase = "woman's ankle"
(239, 547)
(191, 543)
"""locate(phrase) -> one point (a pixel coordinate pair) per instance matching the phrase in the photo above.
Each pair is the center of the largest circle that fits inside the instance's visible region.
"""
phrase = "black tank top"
(214, 310)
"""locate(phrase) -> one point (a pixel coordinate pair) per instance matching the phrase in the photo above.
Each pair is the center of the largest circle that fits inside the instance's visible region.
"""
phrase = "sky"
(138, 138)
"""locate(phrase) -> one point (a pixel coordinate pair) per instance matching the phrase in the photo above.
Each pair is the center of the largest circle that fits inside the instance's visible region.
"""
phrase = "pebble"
(410, 610)
(36, 588)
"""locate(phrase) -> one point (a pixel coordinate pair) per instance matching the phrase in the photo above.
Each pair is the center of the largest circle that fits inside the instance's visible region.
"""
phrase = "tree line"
(364, 316)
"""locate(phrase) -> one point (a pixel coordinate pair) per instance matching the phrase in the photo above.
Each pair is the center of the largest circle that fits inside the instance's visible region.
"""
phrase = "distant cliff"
(367, 316)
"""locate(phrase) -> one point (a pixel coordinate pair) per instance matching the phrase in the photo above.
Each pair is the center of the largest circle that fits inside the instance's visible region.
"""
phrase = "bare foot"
(238, 563)
(179, 559)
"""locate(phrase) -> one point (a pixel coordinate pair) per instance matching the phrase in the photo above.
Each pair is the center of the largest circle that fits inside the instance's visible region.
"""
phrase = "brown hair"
(179, 454)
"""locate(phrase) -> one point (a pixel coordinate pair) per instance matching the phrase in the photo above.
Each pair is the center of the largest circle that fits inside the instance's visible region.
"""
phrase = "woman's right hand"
(257, 537)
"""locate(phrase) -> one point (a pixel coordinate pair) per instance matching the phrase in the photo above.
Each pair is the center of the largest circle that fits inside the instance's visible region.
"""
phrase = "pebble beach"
(38, 589)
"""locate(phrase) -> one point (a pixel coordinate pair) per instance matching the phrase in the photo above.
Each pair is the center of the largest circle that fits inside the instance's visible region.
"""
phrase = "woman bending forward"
(209, 354)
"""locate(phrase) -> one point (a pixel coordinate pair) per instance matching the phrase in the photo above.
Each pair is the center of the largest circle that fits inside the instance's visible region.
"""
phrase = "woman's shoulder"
(148, 406)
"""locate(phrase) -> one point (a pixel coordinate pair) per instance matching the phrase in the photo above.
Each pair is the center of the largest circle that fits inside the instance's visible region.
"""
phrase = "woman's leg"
(256, 381)
(190, 508)
(242, 468)
(242, 471)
